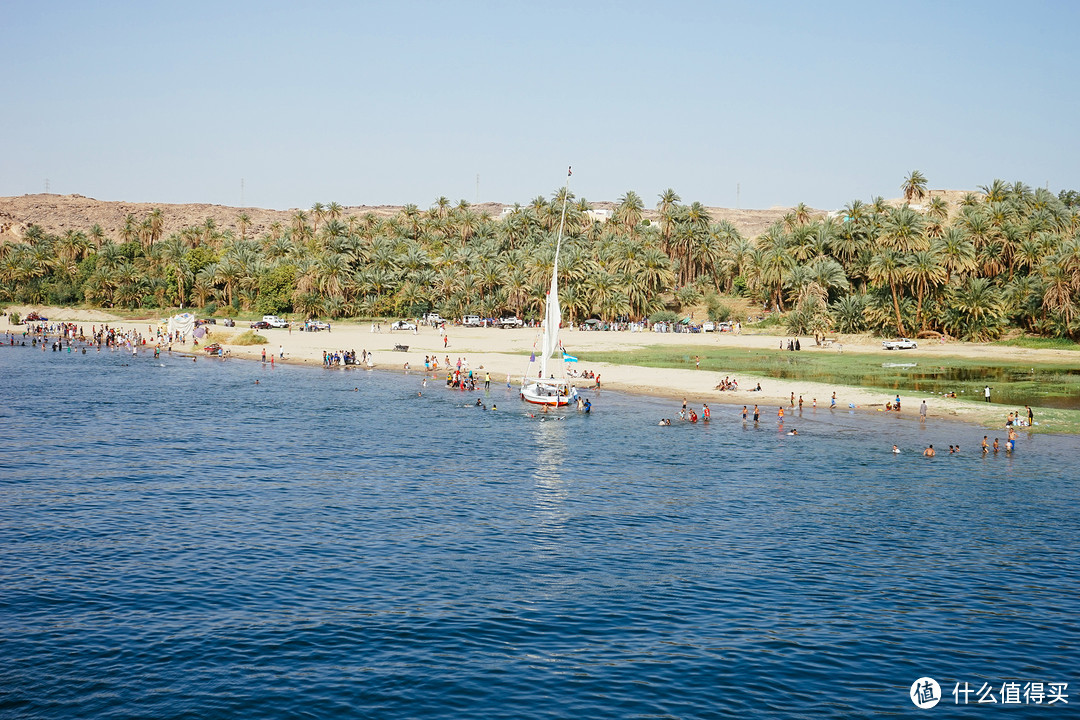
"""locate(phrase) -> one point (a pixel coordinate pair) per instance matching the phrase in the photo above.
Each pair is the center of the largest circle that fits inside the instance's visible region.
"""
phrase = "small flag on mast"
(569, 170)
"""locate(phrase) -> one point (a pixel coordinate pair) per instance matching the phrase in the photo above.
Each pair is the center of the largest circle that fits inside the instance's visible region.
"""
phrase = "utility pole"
(241, 192)
(738, 195)
(46, 186)
(477, 188)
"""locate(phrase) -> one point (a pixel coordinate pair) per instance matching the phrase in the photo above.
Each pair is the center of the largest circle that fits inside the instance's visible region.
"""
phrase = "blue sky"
(396, 102)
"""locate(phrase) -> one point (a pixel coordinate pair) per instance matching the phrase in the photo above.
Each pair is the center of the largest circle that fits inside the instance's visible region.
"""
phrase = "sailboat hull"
(554, 393)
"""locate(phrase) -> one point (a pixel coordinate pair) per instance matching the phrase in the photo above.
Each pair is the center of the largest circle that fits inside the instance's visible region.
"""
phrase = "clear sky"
(396, 102)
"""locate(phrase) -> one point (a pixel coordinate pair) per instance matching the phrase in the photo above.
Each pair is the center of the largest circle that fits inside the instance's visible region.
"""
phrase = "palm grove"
(1008, 256)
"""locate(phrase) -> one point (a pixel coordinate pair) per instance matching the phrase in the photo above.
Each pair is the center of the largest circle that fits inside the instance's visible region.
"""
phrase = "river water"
(177, 541)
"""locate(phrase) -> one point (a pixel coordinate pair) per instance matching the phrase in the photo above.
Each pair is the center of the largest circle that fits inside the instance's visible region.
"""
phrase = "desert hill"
(59, 213)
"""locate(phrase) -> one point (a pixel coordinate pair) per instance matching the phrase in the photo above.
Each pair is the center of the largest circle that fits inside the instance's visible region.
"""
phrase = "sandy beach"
(506, 351)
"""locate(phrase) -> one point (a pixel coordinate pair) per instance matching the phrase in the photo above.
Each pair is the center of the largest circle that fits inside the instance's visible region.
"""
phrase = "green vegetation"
(248, 337)
(1035, 384)
(1008, 257)
(1040, 343)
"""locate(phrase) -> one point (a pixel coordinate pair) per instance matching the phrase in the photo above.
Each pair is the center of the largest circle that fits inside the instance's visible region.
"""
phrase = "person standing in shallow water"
(922, 410)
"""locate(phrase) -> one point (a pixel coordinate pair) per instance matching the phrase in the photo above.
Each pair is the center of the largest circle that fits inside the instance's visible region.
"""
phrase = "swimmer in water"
(929, 451)
(896, 450)
(793, 432)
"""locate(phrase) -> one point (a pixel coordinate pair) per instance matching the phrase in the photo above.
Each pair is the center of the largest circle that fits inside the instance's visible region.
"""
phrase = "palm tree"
(914, 187)
(174, 253)
(70, 249)
(129, 231)
(318, 212)
(97, 234)
(976, 310)
(926, 270)
(629, 212)
(938, 209)
(849, 313)
(802, 214)
(209, 231)
(776, 262)
(1058, 292)
(887, 267)
(299, 226)
(903, 230)
(157, 224)
(243, 222)
(996, 191)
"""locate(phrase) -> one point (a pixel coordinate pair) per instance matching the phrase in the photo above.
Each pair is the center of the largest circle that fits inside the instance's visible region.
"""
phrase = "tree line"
(1007, 256)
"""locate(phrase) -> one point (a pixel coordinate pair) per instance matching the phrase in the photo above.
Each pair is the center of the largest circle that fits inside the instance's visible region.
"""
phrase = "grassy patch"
(248, 337)
(1040, 343)
(1036, 384)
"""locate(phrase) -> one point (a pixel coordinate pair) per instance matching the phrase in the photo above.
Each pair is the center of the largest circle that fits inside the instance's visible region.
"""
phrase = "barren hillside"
(60, 213)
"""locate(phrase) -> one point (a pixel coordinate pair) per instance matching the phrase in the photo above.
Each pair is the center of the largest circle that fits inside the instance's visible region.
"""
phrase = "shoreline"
(505, 351)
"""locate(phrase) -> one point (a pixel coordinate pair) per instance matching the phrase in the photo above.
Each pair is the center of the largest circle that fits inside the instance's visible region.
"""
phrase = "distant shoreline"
(506, 351)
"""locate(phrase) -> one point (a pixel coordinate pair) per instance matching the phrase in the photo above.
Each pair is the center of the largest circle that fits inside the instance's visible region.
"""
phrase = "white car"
(275, 322)
(511, 322)
(899, 344)
(316, 325)
(708, 326)
(402, 325)
(471, 321)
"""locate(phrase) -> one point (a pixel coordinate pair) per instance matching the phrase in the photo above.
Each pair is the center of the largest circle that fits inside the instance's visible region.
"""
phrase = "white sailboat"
(545, 388)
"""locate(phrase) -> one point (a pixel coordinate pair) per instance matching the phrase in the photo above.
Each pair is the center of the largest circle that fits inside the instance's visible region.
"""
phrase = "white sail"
(552, 318)
(545, 389)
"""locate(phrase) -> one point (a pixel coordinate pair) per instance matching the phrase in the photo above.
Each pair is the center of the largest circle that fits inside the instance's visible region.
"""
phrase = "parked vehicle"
(316, 325)
(471, 321)
(260, 325)
(512, 321)
(708, 326)
(899, 344)
(275, 322)
(402, 325)
(433, 319)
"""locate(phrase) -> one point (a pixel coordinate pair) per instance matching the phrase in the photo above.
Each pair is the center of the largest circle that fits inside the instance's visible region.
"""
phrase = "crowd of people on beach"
(343, 358)
(71, 336)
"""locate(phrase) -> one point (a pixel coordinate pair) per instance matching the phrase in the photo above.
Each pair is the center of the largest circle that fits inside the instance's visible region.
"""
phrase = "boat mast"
(551, 324)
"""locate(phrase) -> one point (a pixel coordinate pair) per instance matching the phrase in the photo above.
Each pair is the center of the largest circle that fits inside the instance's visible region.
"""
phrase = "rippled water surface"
(179, 542)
